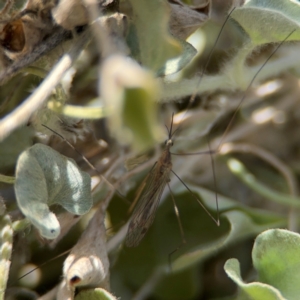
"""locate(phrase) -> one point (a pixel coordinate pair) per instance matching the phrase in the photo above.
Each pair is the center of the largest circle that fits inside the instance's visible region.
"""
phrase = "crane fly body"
(144, 212)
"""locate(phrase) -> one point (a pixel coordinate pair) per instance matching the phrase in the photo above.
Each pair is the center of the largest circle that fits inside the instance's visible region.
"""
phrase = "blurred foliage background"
(256, 164)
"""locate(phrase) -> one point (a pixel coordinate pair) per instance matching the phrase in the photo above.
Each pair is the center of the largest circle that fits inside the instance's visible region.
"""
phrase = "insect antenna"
(193, 96)
(212, 161)
(171, 133)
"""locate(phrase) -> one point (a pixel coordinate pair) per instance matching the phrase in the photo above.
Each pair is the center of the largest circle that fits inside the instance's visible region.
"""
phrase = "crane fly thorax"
(164, 164)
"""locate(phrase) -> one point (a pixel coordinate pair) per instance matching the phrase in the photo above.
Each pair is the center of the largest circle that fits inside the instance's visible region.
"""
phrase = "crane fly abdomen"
(144, 212)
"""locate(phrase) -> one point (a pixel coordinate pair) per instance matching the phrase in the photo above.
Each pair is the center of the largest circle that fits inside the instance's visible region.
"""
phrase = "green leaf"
(149, 37)
(131, 92)
(238, 169)
(267, 21)
(241, 227)
(203, 237)
(91, 113)
(96, 294)
(182, 285)
(174, 65)
(13, 145)
(238, 222)
(44, 177)
(7, 179)
(250, 291)
(276, 257)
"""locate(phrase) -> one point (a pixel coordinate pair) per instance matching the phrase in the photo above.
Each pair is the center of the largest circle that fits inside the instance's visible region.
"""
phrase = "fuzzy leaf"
(250, 291)
(276, 257)
(174, 65)
(149, 38)
(96, 294)
(131, 91)
(44, 177)
(267, 21)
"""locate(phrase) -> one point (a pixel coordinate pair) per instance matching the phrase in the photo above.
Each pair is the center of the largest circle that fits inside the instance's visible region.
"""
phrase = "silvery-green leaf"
(149, 37)
(44, 177)
(174, 65)
(267, 21)
(131, 92)
(276, 258)
(253, 290)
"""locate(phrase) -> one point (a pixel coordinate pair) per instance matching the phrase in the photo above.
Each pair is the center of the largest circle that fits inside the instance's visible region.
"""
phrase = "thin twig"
(23, 112)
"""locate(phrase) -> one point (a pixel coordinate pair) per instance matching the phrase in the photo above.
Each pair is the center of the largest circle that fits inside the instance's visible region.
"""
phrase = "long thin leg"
(176, 210)
(183, 240)
(217, 221)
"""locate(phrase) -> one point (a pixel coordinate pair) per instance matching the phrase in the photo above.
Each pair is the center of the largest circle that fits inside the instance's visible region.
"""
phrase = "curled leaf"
(87, 265)
(131, 92)
(253, 290)
(43, 178)
(174, 65)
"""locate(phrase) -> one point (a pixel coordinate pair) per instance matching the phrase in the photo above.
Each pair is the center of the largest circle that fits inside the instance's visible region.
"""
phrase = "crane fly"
(144, 212)
(156, 181)
(159, 176)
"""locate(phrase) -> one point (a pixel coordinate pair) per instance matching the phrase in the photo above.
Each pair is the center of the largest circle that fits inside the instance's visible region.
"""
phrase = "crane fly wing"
(144, 212)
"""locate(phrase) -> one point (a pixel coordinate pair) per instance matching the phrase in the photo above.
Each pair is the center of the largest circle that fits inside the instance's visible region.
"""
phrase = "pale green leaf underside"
(250, 291)
(174, 65)
(131, 92)
(267, 21)
(44, 177)
(276, 257)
